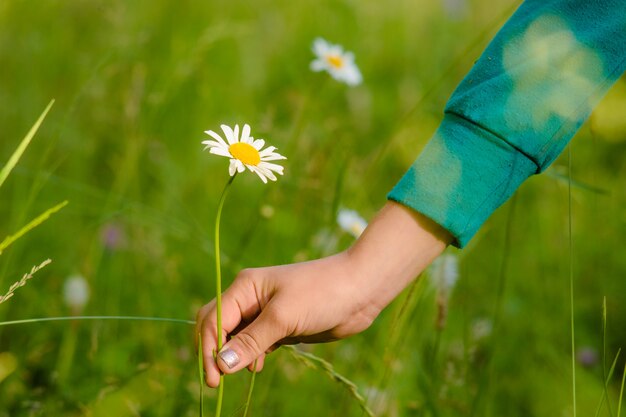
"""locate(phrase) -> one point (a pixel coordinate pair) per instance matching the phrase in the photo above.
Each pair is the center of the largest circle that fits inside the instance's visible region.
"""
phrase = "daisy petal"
(236, 133)
(232, 168)
(273, 157)
(267, 151)
(320, 47)
(272, 167)
(230, 135)
(240, 166)
(221, 152)
(260, 174)
(211, 143)
(318, 65)
(215, 136)
(258, 144)
(245, 134)
(269, 174)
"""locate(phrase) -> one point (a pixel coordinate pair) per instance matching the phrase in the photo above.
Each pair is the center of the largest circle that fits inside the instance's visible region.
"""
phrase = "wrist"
(395, 248)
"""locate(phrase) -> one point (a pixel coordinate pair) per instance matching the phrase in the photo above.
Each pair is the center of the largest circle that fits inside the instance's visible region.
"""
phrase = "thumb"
(252, 342)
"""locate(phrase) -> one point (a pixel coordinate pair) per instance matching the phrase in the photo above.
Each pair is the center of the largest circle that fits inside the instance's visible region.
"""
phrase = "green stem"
(218, 289)
(621, 394)
(571, 274)
(71, 318)
(245, 411)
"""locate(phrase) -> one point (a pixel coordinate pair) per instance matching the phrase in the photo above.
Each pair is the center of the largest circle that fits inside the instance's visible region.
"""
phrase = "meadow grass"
(136, 84)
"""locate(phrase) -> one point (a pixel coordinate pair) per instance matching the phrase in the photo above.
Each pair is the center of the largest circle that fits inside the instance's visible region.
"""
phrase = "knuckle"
(204, 311)
(277, 316)
(200, 314)
(249, 343)
(247, 274)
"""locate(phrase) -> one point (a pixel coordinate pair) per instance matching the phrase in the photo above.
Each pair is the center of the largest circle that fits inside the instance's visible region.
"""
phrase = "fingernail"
(230, 358)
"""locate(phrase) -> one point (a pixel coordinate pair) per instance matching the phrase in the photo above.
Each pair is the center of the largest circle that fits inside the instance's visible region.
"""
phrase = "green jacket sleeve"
(515, 111)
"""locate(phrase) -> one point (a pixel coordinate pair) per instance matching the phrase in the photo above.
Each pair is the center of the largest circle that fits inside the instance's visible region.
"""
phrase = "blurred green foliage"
(136, 84)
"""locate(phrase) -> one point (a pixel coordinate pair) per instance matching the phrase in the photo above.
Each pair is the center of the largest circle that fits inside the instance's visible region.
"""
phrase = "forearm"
(398, 245)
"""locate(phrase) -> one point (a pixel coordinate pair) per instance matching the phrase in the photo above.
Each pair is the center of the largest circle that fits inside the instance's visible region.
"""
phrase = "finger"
(323, 337)
(273, 347)
(211, 371)
(209, 337)
(251, 342)
(257, 364)
(200, 318)
(239, 302)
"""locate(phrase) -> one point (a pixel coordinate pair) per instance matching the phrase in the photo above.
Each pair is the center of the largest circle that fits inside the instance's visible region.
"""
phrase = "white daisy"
(245, 152)
(351, 222)
(339, 64)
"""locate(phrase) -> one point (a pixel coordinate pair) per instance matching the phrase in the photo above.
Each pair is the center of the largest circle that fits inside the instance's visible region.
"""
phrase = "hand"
(322, 300)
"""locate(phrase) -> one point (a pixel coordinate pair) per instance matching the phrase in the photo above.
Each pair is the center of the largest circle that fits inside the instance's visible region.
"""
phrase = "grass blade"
(621, 393)
(605, 395)
(249, 399)
(571, 273)
(30, 226)
(74, 318)
(6, 170)
(27, 276)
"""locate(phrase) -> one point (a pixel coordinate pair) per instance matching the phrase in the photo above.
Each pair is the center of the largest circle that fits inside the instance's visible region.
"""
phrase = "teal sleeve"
(515, 111)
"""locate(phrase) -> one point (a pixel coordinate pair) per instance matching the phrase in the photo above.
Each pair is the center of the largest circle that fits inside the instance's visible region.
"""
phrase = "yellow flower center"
(356, 228)
(335, 61)
(245, 152)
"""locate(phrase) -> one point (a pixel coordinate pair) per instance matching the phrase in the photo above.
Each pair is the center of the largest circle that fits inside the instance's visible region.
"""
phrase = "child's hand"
(322, 300)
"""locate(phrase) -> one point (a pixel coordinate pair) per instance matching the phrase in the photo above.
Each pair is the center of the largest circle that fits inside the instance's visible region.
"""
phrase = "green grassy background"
(136, 84)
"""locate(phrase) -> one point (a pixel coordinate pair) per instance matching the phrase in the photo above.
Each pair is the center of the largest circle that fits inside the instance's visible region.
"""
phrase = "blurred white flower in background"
(456, 9)
(267, 211)
(481, 329)
(337, 62)
(351, 222)
(444, 273)
(76, 293)
(325, 241)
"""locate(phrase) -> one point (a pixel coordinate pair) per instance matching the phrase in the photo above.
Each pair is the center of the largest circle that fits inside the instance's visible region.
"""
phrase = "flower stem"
(218, 288)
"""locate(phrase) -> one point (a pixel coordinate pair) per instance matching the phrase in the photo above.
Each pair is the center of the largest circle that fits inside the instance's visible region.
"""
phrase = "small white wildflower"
(481, 329)
(76, 292)
(267, 211)
(325, 241)
(339, 64)
(351, 222)
(445, 273)
(456, 9)
(245, 152)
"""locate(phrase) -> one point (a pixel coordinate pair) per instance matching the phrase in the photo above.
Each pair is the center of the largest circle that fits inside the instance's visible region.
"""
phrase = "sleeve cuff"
(462, 176)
